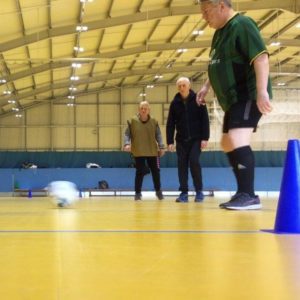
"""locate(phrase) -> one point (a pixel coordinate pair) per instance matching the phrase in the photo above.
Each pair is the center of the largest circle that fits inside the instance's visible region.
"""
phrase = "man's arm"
(127, 138)
(159, 140)
(170, 128)
(261, 67)
(202, 93)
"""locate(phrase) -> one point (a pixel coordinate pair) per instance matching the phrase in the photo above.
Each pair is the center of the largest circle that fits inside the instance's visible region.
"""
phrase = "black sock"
(243, 165)
(230, 156)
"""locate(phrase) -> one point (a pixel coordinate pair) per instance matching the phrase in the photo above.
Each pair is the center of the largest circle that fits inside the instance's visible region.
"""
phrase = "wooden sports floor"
(115, 248)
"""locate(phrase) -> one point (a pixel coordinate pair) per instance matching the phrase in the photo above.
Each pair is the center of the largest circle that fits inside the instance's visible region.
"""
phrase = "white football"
(63, 193)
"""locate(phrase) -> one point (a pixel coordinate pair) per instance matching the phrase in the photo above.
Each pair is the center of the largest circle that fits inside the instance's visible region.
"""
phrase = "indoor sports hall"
(72, 73)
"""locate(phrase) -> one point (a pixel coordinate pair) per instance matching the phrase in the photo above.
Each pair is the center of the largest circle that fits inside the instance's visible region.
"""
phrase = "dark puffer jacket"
(188, 118)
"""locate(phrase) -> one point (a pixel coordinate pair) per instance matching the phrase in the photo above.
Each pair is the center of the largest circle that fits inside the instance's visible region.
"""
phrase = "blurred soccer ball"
(63, 193)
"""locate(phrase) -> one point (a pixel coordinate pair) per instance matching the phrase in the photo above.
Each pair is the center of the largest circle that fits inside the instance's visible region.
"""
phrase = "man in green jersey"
(238, 73)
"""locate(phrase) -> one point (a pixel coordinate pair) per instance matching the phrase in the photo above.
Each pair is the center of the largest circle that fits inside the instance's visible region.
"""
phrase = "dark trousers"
(188, 154)
(141, 171)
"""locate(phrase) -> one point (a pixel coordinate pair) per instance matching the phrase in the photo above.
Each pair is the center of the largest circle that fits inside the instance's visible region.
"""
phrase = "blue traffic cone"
(288, 208)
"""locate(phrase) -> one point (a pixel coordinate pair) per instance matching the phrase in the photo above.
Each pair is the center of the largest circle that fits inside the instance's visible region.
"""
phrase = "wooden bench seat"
(130, 192)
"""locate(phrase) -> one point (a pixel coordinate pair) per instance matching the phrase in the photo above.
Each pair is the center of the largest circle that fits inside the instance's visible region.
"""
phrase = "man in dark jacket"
(191, 123)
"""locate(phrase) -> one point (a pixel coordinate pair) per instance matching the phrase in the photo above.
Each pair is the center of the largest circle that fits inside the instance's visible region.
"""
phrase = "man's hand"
(203, 144)
(127, 148)
(171, 148)
(161, 152)
(263, 102)
(202, 93)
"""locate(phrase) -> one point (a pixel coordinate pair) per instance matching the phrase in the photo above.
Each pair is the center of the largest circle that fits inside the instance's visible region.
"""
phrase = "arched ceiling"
(127, 43)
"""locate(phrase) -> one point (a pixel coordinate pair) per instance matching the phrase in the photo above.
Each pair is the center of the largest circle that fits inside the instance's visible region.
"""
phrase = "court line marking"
(131, 231)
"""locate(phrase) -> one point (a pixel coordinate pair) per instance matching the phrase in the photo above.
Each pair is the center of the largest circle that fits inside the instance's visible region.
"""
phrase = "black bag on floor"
(103, 185)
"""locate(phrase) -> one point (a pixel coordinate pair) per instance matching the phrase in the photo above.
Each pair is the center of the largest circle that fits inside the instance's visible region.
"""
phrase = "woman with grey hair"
(144, 140)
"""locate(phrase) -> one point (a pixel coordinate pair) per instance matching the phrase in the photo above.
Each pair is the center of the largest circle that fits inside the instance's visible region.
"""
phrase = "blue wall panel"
(119, 159)
(267, 179)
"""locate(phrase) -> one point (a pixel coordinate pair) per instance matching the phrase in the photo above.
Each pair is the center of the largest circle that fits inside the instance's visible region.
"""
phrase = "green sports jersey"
(231, 71)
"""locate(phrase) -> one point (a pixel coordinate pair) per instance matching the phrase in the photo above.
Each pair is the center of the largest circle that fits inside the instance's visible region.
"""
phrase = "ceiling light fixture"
(76, 65)
(75, 78)
(182, 50)
(2, 80)
(81, 28)
(198, 32)
(275, 44)
(78, 49)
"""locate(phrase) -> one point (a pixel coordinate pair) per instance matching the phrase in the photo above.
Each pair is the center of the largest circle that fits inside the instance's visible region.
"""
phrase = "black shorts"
(241, 115)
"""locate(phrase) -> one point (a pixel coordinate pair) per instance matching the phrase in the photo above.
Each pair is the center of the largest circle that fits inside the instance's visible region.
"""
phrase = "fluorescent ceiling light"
(81, 28)
(275, 44)
(183, 50)
(198, 32)
(79, 49)
(76, 65)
